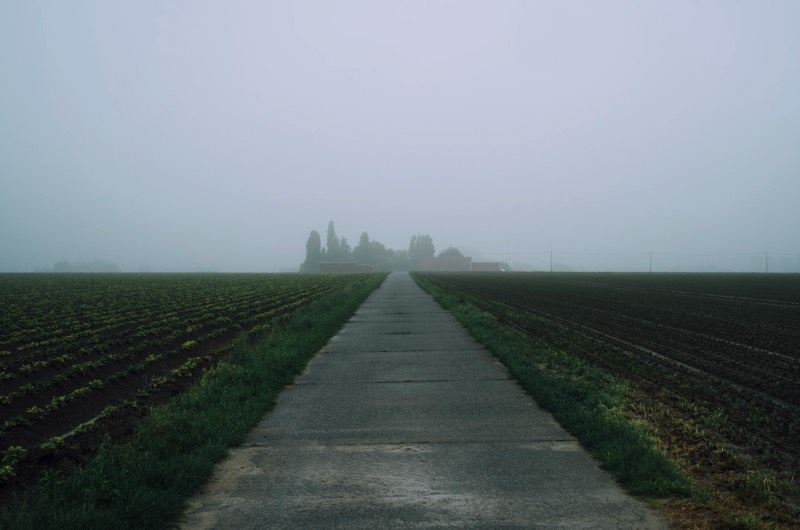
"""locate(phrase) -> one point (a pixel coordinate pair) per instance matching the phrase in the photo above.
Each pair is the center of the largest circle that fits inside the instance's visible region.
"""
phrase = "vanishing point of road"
(404, 421)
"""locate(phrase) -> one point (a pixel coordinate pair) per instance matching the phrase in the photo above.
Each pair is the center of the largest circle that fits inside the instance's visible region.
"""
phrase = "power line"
(650, 261)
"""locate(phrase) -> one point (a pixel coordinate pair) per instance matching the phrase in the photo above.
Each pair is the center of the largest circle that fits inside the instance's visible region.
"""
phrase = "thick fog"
(196, 135)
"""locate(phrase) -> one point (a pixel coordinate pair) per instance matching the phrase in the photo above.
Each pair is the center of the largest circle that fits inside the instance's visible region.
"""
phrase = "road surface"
(404, 421)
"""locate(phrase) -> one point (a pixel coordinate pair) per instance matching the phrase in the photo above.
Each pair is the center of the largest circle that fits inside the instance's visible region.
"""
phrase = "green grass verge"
(146, 482)
(587, 401)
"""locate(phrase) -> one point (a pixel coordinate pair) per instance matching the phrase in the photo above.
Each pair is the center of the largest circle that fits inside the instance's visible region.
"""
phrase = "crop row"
(56, 309)
(725, 358)
(76, 345)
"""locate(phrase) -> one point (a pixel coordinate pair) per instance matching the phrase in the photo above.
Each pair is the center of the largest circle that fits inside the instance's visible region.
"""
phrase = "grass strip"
(587, 401)
(145, 483)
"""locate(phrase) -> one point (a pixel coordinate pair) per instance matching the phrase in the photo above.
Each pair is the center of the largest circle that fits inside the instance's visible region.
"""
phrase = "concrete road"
(404, 421)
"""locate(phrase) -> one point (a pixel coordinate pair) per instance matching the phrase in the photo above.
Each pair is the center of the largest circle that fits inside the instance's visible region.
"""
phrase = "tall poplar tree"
(332, 243)
(419, 248)
(314, 253)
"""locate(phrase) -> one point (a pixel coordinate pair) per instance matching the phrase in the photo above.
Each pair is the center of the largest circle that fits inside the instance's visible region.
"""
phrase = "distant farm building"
(486, 266)
(445, 264)
(458, 264)
(328, 267)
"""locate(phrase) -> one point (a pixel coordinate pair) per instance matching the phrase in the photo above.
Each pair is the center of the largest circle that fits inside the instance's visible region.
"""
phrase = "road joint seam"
(350, 383)
(409, 443)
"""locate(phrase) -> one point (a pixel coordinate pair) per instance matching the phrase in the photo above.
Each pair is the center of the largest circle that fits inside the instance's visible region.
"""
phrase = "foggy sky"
(187, 134)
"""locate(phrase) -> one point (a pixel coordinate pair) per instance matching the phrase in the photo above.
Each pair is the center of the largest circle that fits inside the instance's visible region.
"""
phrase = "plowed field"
(77, 347)
(715, 358)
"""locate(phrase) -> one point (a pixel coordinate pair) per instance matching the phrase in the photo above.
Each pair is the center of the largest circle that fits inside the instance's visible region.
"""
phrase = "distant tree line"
(96, 265)
(366, 252)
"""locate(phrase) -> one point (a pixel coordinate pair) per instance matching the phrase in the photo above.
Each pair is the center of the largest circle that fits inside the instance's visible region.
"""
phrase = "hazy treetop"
(185, 135)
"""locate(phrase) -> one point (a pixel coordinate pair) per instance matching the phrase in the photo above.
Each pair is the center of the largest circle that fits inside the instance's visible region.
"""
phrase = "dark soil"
(79, 448)
(713, 361)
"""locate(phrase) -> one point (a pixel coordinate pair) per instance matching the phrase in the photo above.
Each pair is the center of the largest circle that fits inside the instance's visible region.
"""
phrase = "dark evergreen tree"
(379, 257)
(314, 253)
(421, 247)
(338, 249)
(425, 246)
(332, 243)
(345, 252)
(362, 253)
(451, 252)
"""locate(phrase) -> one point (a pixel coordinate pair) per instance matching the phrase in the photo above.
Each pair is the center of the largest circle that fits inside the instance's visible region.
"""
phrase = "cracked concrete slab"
(404, 421)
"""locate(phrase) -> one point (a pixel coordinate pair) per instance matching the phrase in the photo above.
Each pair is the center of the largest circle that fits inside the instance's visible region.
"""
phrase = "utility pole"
(551, 261)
